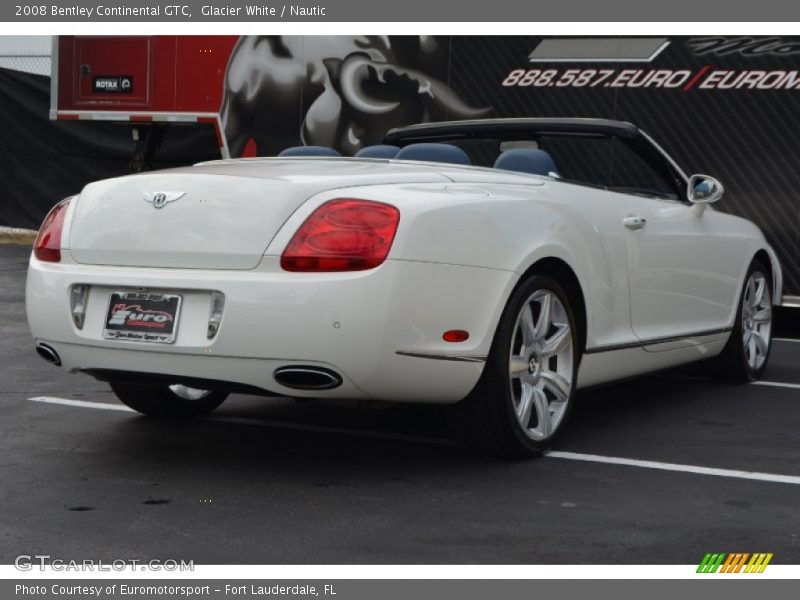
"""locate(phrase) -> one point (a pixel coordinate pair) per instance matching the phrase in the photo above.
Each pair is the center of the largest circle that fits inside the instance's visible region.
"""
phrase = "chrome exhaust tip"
(47, 352)
(302, 377)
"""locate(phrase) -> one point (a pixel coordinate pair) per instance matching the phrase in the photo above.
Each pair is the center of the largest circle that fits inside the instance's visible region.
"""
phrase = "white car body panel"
(685, 267)
(353, 322)
(210, 227)
(465, 238)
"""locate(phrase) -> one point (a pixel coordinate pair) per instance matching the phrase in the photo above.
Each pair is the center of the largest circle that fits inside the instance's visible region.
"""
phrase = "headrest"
(443, 153)
(378, 151)
(527, 160)
(309, 151)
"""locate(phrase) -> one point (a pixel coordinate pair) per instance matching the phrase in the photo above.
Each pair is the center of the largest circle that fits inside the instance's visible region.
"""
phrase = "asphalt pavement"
(660, 469)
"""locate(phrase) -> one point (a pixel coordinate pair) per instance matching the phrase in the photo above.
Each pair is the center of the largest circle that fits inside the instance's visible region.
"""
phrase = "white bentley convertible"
(500, 264)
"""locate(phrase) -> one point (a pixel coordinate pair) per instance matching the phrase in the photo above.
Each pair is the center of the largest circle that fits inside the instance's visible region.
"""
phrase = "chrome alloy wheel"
(541, 364)
(188, 393)
(756, 320)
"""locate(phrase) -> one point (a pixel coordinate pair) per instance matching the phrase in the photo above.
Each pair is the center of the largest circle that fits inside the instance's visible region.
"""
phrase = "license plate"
(142, 317)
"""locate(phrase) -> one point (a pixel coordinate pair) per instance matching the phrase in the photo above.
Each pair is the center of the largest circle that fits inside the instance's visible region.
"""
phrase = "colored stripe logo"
(736, 562)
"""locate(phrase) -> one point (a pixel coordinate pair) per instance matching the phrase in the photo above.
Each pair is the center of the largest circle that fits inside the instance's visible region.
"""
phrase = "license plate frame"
(150, 317)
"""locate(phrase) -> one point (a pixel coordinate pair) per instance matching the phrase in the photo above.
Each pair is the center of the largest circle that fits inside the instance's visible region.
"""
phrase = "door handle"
(634, 222)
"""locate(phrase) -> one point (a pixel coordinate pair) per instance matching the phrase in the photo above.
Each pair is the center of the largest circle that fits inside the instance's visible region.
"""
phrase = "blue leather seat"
(378, 151)
(309, 151)
(443, 153)
(527, 160)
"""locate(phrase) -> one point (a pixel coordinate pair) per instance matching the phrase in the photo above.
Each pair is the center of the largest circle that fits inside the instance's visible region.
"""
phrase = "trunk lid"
(226, 217)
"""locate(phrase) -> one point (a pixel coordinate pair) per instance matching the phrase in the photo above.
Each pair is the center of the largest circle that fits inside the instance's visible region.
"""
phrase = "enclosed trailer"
(141, 79)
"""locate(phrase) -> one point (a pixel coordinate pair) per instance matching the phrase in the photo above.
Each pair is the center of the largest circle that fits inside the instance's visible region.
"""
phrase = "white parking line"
(792, 340)
(780, 384)
(80, 403)
(662, 466)
(611, 460)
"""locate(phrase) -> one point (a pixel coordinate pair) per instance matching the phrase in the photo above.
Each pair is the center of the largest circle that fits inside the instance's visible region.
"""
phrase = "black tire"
(732, 364)
(486, 419)
(161, 401)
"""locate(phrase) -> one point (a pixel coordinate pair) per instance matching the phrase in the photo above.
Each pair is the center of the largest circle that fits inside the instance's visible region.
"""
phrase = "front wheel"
(745, 355)
(524, 397)
(173, 401)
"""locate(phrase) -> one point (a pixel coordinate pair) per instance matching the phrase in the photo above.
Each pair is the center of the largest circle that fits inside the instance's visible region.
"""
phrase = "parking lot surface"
(660, 469)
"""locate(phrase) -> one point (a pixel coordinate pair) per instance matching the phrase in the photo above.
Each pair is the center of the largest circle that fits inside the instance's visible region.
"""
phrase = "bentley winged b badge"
(161, 199)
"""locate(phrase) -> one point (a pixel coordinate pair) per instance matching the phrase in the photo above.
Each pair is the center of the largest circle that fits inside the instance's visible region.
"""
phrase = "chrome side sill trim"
(654, 341)
(433, 356)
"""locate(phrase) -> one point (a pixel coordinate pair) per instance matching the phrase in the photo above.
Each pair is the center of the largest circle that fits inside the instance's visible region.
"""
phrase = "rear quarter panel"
(507, 227)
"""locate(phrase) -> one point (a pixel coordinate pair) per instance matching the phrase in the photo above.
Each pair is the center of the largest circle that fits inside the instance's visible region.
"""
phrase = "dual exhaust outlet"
(297, 377)
(305, 377)
(47, 352)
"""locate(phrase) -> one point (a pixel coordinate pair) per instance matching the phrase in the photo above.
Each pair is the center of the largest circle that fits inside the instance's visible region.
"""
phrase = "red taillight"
(343, 235)
(48, 243)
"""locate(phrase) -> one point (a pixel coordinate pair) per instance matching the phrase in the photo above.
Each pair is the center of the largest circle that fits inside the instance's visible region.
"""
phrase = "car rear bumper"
(380, 330)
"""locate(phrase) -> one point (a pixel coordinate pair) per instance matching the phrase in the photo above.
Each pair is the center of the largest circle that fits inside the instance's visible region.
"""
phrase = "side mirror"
(704, 189)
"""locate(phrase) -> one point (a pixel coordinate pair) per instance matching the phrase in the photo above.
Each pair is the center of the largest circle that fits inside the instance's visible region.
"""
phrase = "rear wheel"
(745, 356)
(524, 396)
(174, 401)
